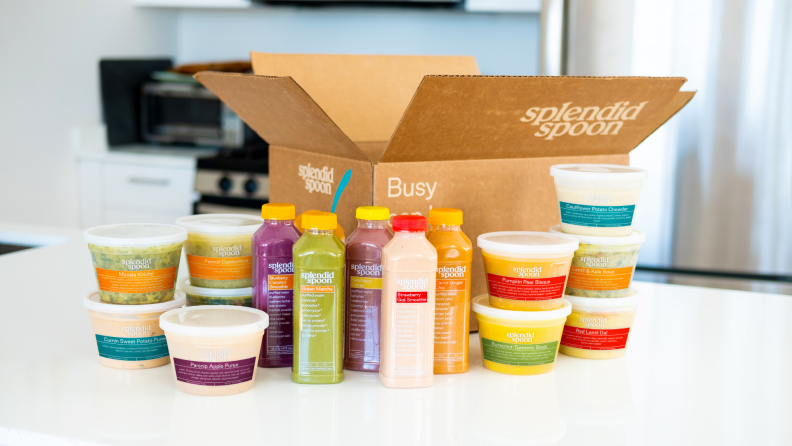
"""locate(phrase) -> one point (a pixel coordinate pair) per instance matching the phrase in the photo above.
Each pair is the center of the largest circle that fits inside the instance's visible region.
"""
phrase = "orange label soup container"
(599, 328)
(526, 271)
(519, 342)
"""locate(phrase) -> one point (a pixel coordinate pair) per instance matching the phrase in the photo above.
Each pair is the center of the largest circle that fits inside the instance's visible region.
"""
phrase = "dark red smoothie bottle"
(273, 281)
(364, 289)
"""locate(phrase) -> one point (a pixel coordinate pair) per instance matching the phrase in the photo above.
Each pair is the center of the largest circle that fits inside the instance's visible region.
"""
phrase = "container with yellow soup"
(519, 342)
(599, 328)
(603, 266)
(597, 199)
(526, 271)
(218, 249)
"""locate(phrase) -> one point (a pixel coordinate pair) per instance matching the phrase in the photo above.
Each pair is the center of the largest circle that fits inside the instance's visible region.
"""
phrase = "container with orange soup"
(519, 342)
(452, 295)
(603, 266)
(526, 271)
(599, 328)
(218, 249)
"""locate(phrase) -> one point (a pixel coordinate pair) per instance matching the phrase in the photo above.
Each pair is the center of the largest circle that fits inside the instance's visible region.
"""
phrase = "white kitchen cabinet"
(137, 186)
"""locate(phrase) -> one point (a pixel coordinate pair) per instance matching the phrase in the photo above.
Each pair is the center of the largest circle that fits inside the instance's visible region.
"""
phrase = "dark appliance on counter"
(234, 181)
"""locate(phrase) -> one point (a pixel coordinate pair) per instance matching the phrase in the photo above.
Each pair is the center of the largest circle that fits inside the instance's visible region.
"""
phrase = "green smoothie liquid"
(318, 308)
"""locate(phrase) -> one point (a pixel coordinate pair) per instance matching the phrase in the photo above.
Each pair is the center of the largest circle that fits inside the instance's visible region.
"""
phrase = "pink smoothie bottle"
(273, 281)
(364, 288)
(409, 264)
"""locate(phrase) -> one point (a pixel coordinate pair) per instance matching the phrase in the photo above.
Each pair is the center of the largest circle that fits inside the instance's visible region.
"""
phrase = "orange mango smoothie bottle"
(452, 295)
(409, 266)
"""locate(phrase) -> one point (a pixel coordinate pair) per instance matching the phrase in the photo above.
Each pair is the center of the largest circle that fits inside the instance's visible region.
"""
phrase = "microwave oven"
(186, 113)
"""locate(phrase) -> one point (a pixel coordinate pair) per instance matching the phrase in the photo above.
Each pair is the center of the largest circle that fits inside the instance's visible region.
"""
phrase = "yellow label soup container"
(519, 342)
(526, 271)
(599, 328)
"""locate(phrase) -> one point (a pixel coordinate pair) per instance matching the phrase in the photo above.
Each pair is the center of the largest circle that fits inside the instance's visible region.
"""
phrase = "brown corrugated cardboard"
(483, 144)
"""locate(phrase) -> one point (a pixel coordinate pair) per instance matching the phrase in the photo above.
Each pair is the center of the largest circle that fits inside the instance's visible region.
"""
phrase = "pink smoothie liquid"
(273, 288)
(364, 294)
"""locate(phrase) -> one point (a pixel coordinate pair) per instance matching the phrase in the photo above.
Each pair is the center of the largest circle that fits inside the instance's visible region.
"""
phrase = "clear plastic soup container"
(218, 249)
(214, 348)
(597, 199)
(129, 336)
(526, 270)
(519, 342)
(136, 263)
(599, 328)
(603, 266)
(216, 296)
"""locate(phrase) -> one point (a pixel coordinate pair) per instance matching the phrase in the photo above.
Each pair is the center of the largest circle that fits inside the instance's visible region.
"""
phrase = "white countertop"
(704, 367)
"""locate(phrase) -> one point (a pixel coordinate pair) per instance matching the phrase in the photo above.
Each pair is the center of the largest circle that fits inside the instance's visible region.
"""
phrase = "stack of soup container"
(219, 257)
(136, 269)
(567, 289)
(597, 202)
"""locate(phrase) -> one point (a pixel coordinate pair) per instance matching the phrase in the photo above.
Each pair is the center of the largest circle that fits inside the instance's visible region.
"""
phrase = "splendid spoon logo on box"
(575, 121)
(134, 265)
(527, 272)
(413, 284)
(317, 180)
(520, 337)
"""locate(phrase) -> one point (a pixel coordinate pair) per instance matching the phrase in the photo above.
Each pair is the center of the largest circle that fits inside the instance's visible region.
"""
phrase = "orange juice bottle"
(452, 298)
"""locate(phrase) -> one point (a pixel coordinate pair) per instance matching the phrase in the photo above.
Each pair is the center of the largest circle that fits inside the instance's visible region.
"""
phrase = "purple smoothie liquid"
(273, 293)
(363, 297)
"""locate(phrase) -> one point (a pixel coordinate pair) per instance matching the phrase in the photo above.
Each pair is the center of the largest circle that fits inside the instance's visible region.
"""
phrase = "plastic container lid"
(409, 223)
(606, 305)
(524, 242)
(445, 216)
(134, 234)
(215, 292)
(226, 224)
(610, 172)
(481, 305)
(635, 237)
(372, 213)
(277, 211)
(93, 302)
(214, 321)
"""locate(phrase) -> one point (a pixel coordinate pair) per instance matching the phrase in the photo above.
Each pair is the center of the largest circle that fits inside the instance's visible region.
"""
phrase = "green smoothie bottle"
(318, 302)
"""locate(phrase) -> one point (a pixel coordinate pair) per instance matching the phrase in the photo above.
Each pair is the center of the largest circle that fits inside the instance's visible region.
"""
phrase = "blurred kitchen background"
(99, 129)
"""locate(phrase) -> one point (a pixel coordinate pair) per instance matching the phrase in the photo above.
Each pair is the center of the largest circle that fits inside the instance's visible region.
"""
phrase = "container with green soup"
(603, 266)
(136, 263)
(218, 249)
(242, 297)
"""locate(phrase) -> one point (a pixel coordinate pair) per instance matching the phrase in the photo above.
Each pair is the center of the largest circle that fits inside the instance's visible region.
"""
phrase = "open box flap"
(281, 113)
(501, 117)
(364, 95)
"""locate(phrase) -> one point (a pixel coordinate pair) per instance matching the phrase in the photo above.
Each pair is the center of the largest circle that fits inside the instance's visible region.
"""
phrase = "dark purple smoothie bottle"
(273, 281)
(364, 289)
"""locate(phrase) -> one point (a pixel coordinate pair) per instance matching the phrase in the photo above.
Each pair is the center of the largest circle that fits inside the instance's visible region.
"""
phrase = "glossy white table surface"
(704, 367)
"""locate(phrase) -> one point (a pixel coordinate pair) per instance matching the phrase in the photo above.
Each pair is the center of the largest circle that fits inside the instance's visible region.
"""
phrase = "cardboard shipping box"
(421, 132)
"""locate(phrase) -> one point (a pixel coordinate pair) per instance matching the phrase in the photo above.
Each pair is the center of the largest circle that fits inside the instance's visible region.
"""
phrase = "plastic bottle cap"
(277, 211)
(445, 216)
(319, 220)
(372, 213)
(409, 223)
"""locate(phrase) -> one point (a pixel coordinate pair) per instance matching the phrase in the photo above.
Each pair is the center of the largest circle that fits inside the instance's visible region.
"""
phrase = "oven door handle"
(149, 181)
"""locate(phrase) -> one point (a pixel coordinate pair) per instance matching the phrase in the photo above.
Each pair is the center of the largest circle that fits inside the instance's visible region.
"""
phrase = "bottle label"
(280, 303)
(519, 354)
(132, 349)
(317, 306)
(599, 279)
(411, 297)
(148, 281)
(411, 331)
(214, 373)
(597, 216)
(588, 339)
(220, 268)
(517, 288)
(365, 294)
(451, 298)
